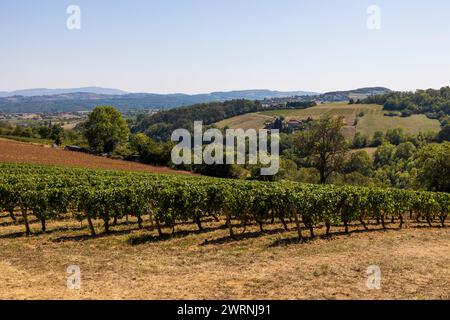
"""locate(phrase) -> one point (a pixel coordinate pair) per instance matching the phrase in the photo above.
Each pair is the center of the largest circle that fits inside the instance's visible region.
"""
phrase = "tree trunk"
(323, 179)
(91, 225)
(198, 221)
(327, 224)
(13, 217)
(244, 226)
(261, 227)
(139, 222)
(442, 218)
(299, 229)
(25, 218)
(401, 221)
(158, 226)
(284, 224)
(311, 231)
(150, 216)
(346, 227)
(382, 222)
(43, 225)
(216, 218)
(363, 223)
(106, 225)
(115, 221)
(230, 226)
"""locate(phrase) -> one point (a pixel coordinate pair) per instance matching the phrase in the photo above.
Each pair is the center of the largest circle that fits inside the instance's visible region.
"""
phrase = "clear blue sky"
(208, 45)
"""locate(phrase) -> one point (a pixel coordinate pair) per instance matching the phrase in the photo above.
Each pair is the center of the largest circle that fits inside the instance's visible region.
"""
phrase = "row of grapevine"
(50, 193)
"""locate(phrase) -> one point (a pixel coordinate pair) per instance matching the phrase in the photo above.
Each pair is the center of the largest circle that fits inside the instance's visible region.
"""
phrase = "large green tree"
(106, 129)
(434, 167)
(360, 162)
(56, 133)
(323, 145)
(383, 155)
(150, 151)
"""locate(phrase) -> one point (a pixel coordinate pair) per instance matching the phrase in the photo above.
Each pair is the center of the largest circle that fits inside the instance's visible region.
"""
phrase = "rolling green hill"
(373, 120)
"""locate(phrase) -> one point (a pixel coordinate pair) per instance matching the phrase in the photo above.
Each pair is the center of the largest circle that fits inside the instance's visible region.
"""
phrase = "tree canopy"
(433, 103)
(161, 125)
(323, 145)
(106, 129)
(434, 167)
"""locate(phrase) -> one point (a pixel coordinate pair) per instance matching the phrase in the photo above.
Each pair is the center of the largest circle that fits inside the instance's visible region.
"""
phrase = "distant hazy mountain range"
(48, 92)
(248, 94)
(356, 94)
(82, 99)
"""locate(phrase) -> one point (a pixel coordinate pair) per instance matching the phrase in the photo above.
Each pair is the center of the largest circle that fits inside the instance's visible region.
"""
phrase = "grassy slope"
(371, 123)
(333, 109)
(245, 121)
(373, 120)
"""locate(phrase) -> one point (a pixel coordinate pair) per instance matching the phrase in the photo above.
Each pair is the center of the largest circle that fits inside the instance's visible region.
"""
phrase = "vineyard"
(51, 193)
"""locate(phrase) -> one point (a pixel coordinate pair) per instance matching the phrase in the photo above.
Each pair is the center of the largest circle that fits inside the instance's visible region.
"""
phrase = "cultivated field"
(372, 121)
(336, 109)
(20, 152)
(245, 121)
(208, 265)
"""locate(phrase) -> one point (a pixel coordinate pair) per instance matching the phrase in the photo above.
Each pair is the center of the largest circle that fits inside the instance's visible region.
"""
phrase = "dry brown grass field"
(134, 264)
(245, 121)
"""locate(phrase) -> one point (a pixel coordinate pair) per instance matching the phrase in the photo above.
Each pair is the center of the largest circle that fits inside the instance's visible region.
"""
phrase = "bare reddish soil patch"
(20, 152)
